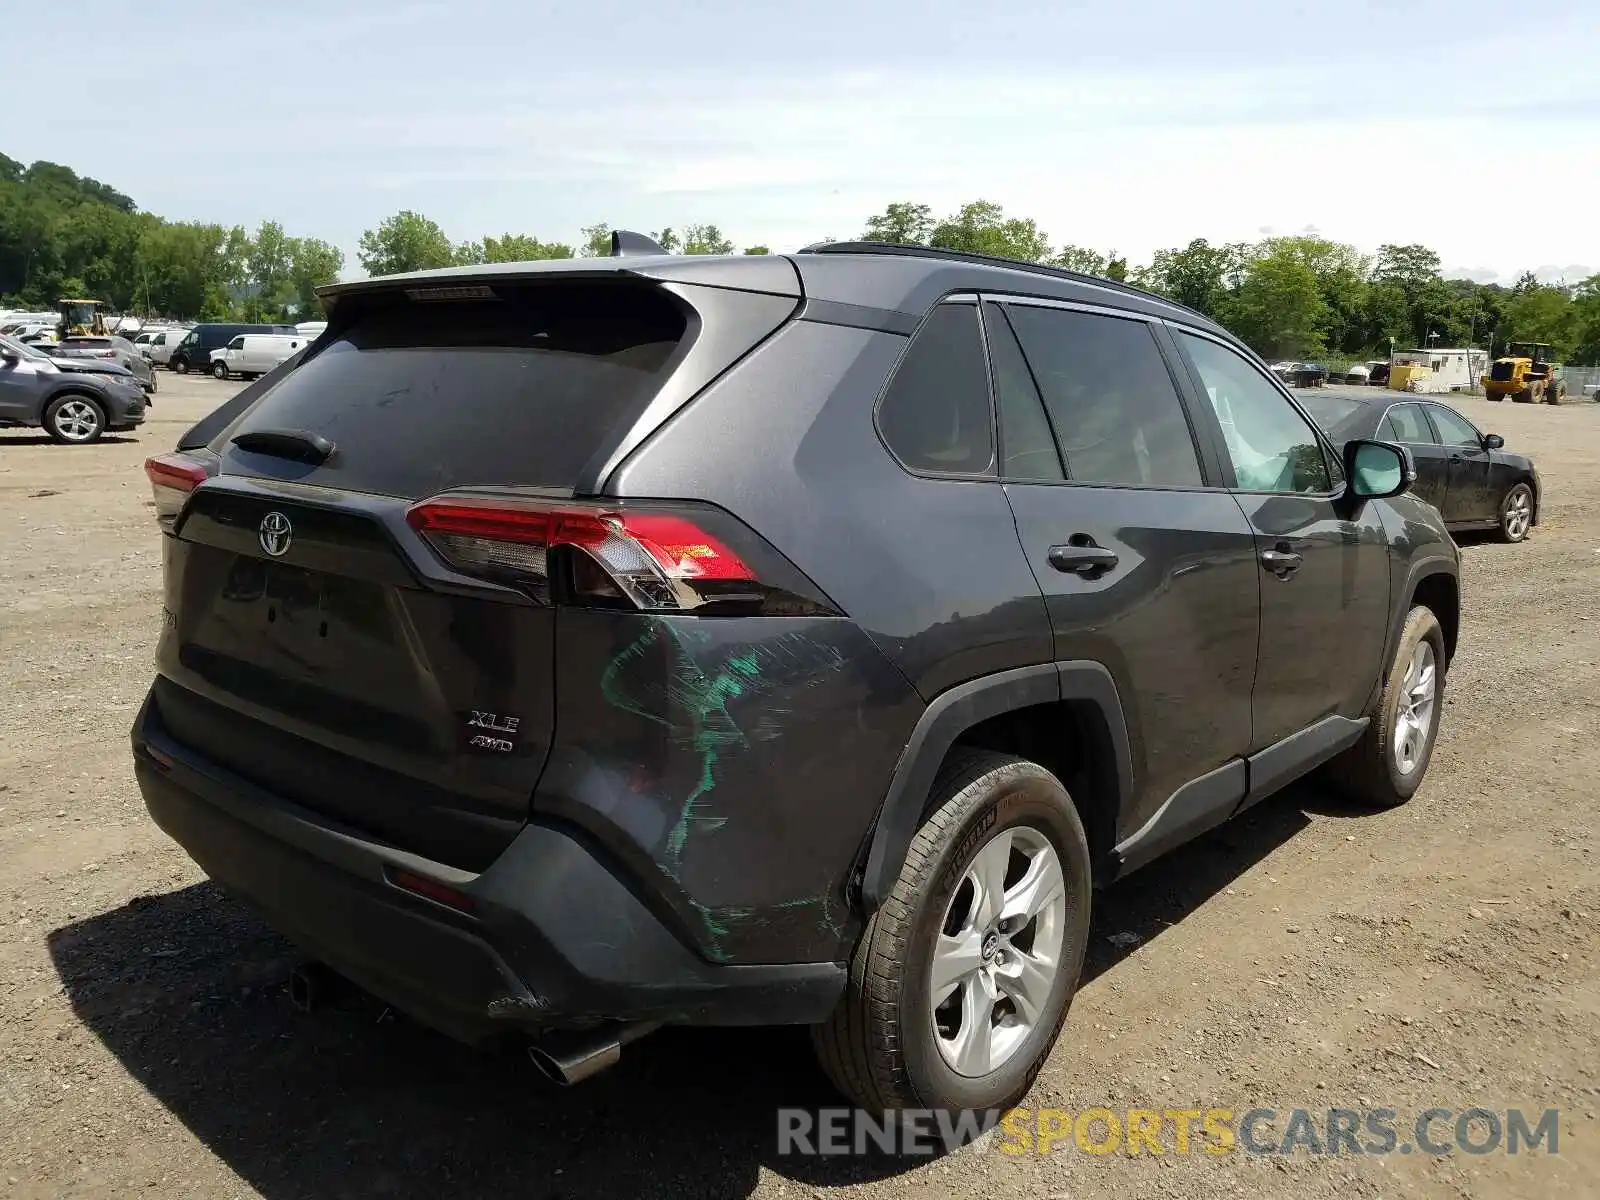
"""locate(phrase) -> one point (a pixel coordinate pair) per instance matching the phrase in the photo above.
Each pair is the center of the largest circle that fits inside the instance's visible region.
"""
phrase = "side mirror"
(1493, 441)
(1378, 470)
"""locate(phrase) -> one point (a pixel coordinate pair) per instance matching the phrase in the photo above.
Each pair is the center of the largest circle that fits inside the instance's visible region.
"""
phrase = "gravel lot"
(1309, 956)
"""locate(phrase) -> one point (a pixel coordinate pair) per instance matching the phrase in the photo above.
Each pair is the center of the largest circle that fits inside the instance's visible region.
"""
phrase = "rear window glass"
(422, 396)
(1330, 411)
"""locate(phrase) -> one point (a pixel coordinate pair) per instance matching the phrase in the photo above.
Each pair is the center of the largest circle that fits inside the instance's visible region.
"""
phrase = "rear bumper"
(555, 938)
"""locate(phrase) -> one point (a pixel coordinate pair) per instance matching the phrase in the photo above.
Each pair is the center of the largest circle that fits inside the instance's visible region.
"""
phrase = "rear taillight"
(172, 477)
(648, 557)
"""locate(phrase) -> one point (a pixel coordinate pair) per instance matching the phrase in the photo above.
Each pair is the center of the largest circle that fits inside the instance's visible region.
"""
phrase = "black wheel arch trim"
(953, 713)
(1422, 568)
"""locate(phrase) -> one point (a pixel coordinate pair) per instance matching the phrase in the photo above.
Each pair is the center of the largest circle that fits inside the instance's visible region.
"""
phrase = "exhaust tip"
(571, 1058)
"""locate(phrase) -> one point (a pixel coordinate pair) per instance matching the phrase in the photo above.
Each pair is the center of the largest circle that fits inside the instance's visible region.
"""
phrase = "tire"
(1373, 771)
(881, 1047)
(220, 370)
(151, 387)
(1525, 396)
(74, 419)
(1516, 513)
(179, 366)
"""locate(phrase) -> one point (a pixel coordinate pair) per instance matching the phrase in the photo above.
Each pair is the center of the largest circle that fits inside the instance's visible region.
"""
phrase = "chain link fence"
(1581, 382)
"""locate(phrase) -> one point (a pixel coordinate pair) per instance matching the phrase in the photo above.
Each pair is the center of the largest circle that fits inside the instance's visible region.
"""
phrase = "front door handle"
(1282, 563)
(1088, 561)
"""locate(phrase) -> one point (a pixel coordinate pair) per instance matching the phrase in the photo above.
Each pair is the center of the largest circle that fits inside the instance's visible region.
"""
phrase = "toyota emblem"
(275, 534)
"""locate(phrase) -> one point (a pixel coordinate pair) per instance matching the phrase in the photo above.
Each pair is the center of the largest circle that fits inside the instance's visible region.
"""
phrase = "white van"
(161, 345)
(251, 354)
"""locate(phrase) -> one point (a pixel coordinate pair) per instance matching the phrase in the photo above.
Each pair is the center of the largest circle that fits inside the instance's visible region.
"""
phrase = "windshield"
(21, 350)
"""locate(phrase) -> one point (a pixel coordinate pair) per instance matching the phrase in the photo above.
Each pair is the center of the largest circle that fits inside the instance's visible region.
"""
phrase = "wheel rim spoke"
(955, 958)
(988, 875)
(974, 1040)
(1038, 887)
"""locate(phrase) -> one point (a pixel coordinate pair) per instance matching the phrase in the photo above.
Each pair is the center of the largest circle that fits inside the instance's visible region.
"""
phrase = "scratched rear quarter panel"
(729, 767)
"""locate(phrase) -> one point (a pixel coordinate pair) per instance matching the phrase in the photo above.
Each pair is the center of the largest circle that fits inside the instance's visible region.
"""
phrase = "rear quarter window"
(522, 390)
(935, 415)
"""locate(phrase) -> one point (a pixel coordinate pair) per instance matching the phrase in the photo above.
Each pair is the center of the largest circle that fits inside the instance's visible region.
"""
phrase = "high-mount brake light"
(658, 560)
(172, 477)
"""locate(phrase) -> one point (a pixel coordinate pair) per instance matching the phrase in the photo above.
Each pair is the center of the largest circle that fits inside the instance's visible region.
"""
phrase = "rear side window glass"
(1115, 411)
(1027, 447)
(1405, 423)
(523, 390)
(935, 415)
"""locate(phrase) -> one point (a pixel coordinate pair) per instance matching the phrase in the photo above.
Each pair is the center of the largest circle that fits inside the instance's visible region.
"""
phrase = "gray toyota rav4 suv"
(559, 650)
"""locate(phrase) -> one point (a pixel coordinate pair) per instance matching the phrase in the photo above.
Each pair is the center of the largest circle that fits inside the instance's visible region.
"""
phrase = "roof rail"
(992, 260)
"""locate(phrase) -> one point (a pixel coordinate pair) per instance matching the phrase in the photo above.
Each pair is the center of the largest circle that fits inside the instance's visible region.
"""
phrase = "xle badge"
(495, 723)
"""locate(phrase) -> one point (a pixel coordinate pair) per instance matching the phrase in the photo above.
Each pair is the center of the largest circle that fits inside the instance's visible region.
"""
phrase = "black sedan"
(1469, 476)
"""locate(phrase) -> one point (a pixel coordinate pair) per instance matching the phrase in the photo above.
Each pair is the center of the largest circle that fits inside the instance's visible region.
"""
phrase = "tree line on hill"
(1301, 296)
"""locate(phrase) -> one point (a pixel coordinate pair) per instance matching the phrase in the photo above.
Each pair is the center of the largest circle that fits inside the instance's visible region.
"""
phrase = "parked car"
(789, 639)
(113, 349)
(1470, 477)
(73, 403)
(250, 355)
(29, 331)
(193, 351)
(1378, 372)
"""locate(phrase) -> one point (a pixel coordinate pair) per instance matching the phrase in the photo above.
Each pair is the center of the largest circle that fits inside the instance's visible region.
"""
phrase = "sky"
(1125, 125)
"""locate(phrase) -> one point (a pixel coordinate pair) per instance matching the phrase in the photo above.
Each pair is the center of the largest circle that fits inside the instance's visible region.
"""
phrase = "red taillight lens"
(656, 560)
(172, 477)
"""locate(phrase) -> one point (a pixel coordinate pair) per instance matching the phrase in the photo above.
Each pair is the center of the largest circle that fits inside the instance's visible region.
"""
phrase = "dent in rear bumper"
(556, 938)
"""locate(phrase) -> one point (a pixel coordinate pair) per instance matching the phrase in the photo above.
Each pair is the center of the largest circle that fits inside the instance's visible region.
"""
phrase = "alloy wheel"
(76, 420)
(1413, 722)
(1518, 515)
(998, 956)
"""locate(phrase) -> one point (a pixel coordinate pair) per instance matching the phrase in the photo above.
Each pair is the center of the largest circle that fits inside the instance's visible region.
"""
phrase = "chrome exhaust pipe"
(573, 1057)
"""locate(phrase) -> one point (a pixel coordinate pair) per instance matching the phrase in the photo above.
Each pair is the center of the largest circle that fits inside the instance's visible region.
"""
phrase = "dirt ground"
(1312, 956)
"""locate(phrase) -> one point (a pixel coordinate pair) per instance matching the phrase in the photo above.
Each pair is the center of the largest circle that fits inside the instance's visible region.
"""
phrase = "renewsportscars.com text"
(1178, 1131)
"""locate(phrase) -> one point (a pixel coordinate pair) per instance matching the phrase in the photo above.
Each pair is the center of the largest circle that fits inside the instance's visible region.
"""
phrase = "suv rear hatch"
(340, 634)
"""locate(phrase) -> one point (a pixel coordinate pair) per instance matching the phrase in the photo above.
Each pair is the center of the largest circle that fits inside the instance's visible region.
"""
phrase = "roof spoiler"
(627, 244)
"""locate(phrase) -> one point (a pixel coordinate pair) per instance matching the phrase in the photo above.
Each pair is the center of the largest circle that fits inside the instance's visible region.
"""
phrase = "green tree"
(268, 263)
(757, 250)
(983, 228)
(1586, 322)
(667, 239)
(407, 241)
(518, 247)
(705, 239)
(1199, 275)
(1277, 307)
(901, 224)
(1537, 312)
(312, 263)
(1411, 267)
(596, 240)
(1077, 258)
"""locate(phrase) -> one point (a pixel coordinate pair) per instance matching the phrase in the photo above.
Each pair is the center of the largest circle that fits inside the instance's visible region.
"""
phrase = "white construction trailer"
(1442, 370)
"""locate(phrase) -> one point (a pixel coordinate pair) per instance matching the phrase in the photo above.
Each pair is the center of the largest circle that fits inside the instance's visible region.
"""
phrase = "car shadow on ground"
(188, 991)
(44, 439)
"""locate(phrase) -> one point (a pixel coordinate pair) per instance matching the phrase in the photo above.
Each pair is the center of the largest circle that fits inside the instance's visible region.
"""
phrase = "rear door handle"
(1088, 561)
(1282, 563)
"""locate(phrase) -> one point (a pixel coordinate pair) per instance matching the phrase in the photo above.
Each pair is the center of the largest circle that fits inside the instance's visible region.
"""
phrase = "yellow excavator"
(81, 318)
